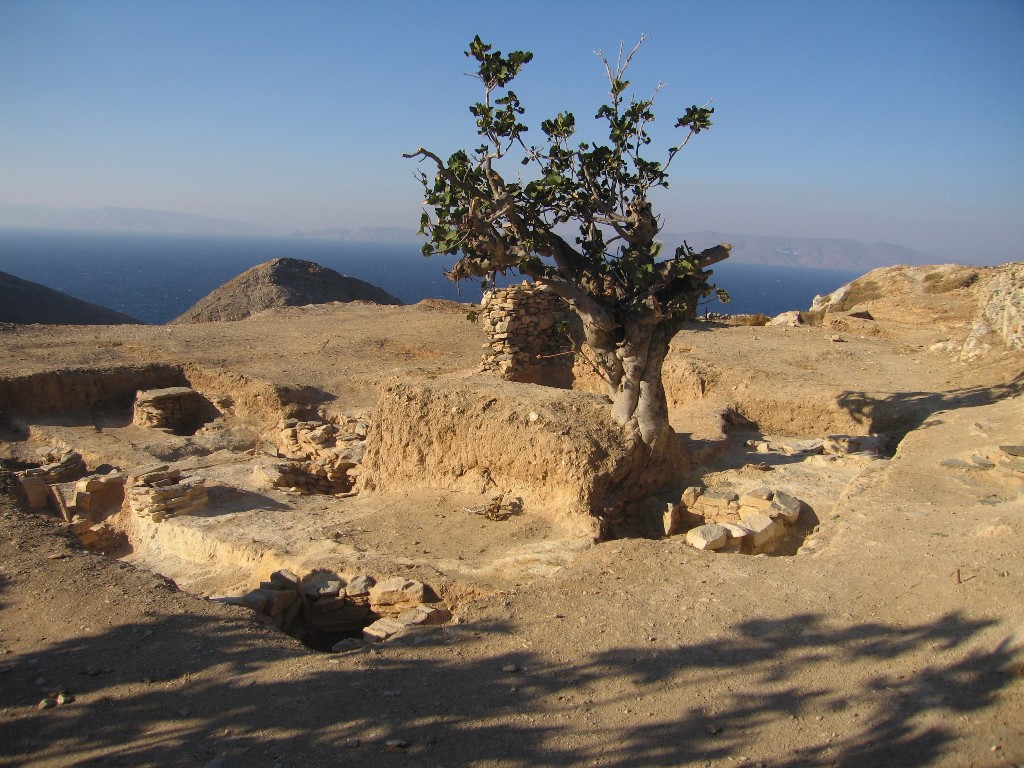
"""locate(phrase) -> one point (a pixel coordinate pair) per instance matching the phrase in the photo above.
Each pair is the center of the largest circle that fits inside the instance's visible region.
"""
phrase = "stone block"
(690, 495)
(763, 530)
(785, 507)
(710, 536)
(285, 578)
(424, 615)
(382, 629)
(359, 585)
(720, 498)
(671, 519)
(393, 596)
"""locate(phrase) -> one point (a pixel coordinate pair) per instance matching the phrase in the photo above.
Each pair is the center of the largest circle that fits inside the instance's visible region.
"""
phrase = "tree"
(630, 301)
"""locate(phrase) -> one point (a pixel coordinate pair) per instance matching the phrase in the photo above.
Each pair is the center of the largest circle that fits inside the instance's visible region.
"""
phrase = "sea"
(155, 277)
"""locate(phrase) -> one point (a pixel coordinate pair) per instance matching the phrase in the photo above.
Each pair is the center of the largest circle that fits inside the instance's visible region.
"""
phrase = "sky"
(876, 120)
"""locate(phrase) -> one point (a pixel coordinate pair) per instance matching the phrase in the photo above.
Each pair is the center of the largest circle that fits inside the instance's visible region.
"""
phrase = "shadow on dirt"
(899, 413)
(158, 705)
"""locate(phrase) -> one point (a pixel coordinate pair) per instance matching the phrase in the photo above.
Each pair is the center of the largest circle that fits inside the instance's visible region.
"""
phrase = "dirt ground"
(888, 632)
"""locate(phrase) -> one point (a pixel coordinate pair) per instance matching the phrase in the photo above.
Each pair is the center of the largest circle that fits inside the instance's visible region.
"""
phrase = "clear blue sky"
(896, 121)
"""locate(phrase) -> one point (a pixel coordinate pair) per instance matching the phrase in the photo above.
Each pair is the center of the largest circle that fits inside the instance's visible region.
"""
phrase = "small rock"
(65, 697)
(690, 495)
(348, 644)
(285, 578)
(787, 319)
(785, 506)
(510, 668)
(763, 529)
(351, 743)
(396, 744)
(710, 536)
(47, 703)
(1012, 450)
(92, 670)
(360, 585)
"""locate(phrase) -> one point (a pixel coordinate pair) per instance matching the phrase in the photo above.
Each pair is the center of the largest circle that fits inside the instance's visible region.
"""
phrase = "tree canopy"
(509, 203)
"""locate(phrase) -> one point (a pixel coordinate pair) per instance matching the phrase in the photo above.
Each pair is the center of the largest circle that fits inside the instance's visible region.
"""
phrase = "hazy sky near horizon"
(889, 120)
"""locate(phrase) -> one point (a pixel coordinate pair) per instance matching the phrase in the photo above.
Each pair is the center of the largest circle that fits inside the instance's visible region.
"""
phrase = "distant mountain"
(815, 253)
(281, 283)
(363, 234)
(123, 220)
(24, 302)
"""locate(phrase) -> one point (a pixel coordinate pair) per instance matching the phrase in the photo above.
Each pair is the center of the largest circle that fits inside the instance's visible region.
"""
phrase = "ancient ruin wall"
(527, 328)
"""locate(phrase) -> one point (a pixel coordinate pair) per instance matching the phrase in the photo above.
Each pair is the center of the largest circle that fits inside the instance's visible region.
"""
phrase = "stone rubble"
(159, 492)
(322, 456)
(751, 522)
(526, 329)
(36, 482)
(325, 612)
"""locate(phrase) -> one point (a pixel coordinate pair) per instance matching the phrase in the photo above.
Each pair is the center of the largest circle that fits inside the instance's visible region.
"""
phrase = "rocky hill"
(281, 283)
(24, 302)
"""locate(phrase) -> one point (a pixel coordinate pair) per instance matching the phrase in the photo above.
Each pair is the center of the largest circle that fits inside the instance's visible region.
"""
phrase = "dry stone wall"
(322, 456)
(527, 328)
(179, 410)
(159, 492)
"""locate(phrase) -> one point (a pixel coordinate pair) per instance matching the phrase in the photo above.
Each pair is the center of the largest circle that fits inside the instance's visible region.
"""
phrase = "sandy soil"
(887, 632)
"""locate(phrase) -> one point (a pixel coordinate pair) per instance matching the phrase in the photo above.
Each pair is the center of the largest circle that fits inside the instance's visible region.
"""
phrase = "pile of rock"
(328, 612)
(753, 522)
(159, 492)
(830, 445)
(95, 535)
(36, 482)
(526, 329)
(178, 410)
(323, 456)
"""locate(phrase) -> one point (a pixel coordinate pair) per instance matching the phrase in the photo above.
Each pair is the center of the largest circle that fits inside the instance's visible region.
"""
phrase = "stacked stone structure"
(159, 492)
(180, 410)
(322, 456)
(328, 612)
(528, 334)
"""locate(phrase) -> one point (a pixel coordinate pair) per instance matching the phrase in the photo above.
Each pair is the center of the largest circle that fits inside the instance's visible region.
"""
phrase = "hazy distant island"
(810, 253)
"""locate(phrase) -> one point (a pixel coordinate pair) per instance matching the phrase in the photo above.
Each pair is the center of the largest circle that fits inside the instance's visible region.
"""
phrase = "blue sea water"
(157, 277)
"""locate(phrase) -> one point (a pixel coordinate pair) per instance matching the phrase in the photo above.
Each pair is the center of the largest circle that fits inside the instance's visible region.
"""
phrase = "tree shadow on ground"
(465, 705)
(898, 413)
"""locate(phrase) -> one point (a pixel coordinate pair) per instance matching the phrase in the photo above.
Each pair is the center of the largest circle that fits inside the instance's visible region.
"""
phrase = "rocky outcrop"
(24, 302)
(1000, 313)
(159, 492)
(903, 294)
(281, 283)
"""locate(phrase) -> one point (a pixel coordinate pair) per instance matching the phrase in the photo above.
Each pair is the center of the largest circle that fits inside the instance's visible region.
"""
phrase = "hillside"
(281, 283)
(814, 253)
(24, 302)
